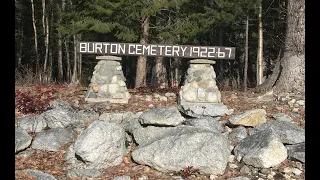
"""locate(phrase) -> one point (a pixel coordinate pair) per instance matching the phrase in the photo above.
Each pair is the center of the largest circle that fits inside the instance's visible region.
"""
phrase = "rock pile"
(200, 85)
(108, 82)
(200, 96)
(164, 139)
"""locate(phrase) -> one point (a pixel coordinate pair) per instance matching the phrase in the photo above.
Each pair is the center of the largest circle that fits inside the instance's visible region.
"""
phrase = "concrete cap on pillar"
(202, 61)
(111, 58)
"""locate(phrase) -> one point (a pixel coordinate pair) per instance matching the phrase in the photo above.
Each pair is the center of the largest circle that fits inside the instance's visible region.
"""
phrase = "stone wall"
(108, 82)
(200, 84)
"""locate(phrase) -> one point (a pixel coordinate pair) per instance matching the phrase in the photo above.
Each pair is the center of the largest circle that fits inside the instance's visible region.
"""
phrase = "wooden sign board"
(134, 49)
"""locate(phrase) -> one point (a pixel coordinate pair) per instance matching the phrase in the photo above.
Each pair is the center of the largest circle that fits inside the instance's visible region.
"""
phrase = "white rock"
(295, 109)
(231, 158)
(113, 88)
(122, 83)
(291, 102)
(287, 170)
(114, 79)
(296, 171)
(300, 102)
(148, 98)
(163, 98)
(189, 96)
(212, 177)
(269, 176)
(233, 166)
(213, 97)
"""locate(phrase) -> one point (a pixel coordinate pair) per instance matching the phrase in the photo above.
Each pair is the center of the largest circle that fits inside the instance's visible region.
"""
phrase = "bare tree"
(289, 72)
(35, 37)
(68, 72)
(60, 68)
(246, 56)
(45, 25)
(260, 47)
(74, 77)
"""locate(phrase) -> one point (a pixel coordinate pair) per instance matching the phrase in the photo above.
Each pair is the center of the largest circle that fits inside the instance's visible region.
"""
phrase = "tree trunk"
(66, 44)
(176, 73)
(260, 47)
(60, 68)
(80, 67)
(79, 62)
(35, 38)
(19, 55)
(50, 69)
(142, 60)
(292, 78)
(289, 72)
(74, 78)
(246, 56)
(160, 73)
(45, 20)
(43, 76)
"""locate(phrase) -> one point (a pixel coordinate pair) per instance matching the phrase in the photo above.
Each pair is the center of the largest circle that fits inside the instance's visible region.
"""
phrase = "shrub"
(188, 171)
(33, 102)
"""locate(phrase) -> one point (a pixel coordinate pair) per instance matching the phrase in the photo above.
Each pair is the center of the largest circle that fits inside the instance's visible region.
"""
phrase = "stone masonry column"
(108, 82)
(200, 96)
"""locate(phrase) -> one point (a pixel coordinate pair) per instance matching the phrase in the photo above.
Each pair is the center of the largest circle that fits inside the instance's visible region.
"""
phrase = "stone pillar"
(108, 82)
(200, 96)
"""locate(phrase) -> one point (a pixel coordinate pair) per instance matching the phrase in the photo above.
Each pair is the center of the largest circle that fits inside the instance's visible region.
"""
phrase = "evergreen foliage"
(183, 22)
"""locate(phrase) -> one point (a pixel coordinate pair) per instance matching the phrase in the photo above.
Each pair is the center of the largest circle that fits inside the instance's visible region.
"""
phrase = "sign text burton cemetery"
(134, 49)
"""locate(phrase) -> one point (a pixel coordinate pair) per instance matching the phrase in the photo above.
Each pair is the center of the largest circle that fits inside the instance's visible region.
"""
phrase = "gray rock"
(39, 175)
(127, 120)
(245, 169)
(22, 140)
(101, 145)
(84, 116)
(263, 149)
(239, 178)
(26, 153)
(118, 117)
(208, 123)
(145, 135)
(84, 173)
(130, 124)
(124, 177)
(53, 139)
(237, 135)
(203, 109)
(282, 117)
(72, 160)
(112, 117)
(296, 152)
(32, 123)
(60, 104)
(166, 116)
(95, 106)
(61, 118)
(90, 94)
(288, 132)
(189, 146)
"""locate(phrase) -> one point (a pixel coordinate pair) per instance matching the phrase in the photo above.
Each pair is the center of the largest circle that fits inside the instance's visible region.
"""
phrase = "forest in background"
(46, 33)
